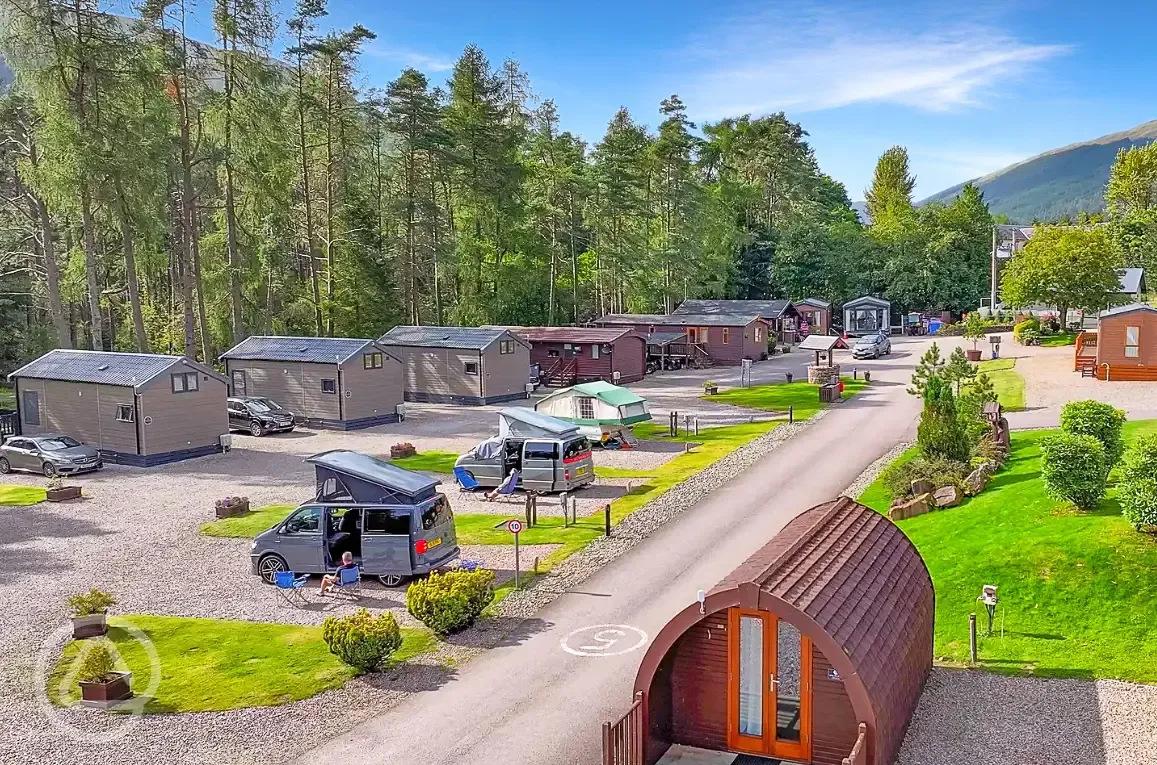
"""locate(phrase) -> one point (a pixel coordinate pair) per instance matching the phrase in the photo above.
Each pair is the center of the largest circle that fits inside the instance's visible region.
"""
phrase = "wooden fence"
(623, 741)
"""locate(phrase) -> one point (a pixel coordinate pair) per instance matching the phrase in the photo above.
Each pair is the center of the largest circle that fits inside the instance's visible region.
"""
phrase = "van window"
(382, 520)
(575, 448)
(540, 450)
(307, 520)
(437, 513)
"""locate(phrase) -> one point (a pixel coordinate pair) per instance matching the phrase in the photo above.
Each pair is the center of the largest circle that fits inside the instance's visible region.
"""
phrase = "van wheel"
(270, 565)
(392, 580)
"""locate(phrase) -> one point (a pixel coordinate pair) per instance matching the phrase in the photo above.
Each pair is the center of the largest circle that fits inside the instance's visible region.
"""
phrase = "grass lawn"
(614, 472)
(1059, 339)
(213, 665)
(1007, 382)
(11, 495)
(777, 397)
(428, 462)
(1079, 598)
(249, 525)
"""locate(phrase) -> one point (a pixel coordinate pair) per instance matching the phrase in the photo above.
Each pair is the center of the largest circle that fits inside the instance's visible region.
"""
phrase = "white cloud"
(410, 58)
(803, 57)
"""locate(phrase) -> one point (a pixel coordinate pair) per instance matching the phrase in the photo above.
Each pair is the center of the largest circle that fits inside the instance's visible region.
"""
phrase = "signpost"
(515, 527)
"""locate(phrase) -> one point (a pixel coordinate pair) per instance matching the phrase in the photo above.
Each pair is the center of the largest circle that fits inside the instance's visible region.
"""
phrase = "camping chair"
(290, 588)
(349, 580)
(509, 485)
(465, 481)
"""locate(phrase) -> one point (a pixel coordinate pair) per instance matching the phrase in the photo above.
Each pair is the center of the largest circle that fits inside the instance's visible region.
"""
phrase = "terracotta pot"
(973, 355)
(88, 626)
(64, 493)
(106, 694)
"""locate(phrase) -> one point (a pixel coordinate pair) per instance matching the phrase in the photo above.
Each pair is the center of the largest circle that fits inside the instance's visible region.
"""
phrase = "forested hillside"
(1058, 184)
(171, 196)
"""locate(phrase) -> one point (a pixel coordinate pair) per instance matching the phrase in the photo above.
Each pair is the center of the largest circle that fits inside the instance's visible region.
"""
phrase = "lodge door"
(768, 686)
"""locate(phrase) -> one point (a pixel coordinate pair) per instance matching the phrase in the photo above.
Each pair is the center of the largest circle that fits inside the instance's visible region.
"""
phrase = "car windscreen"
(56, 444)
(261, 405)
(575, 448)
(437, 513)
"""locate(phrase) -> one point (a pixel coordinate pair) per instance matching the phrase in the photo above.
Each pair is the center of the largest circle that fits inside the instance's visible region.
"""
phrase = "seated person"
(329, 580)
(510, 478)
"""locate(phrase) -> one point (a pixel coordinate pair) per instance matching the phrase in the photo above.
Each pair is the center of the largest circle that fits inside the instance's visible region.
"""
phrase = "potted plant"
(101, 685)
(231, 506)
(399, 451)
(88, 613)
(56, 491)
(710, 387)
(974, 329)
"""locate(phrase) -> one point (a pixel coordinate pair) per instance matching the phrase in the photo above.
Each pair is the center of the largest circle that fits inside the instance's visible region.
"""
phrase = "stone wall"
(823, 374)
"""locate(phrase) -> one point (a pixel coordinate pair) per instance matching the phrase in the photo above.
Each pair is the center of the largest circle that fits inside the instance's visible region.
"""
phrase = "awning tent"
(596, 403)
(344, 475)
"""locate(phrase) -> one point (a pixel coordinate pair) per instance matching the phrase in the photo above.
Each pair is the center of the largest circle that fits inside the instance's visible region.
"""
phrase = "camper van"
(550, 455)
(392, 520)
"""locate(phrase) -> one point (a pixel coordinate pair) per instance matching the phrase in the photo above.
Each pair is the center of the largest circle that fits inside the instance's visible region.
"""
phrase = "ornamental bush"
(1031, 324)
(98, 664)
(941, 434)
(898, 478)
(361, 640)
(1101, 421)
(91, 603)
(1074, 469)
(450, 602)
(1137, 488)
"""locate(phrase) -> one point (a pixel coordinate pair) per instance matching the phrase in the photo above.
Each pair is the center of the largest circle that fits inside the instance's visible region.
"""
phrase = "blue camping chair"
(509, 485)
(465, 481)
(349, 580)
(290, 588)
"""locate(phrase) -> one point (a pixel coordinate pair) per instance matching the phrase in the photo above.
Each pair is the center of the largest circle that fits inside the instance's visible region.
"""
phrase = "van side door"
(386, 541)
(538, 463)
(300, 540)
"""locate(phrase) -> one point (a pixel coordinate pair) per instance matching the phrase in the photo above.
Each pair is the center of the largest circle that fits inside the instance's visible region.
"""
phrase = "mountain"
(1060, 182)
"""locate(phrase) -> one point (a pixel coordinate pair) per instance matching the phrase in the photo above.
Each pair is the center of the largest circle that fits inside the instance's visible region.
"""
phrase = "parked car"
(390, 519)
(49, 455)
(872, 346)
(258, 415)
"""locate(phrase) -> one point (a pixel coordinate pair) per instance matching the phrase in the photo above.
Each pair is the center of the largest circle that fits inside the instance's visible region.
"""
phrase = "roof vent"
(302, 349)
(445, 337)
(102, 368)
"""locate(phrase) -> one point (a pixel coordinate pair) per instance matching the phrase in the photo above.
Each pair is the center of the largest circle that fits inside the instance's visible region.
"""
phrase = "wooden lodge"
(781, 316)
(815, 650)
(815, 316)
(571, 355)
(723, 339)
(461, 365)
(1124, 347)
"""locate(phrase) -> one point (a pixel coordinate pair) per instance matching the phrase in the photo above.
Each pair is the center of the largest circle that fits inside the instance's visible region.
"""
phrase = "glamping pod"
(599, 409)
(814, 650)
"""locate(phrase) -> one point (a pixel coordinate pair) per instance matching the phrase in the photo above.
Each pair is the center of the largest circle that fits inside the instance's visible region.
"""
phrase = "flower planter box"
(106, 694)
(63, 494)
(711, 390)
(229, 510)
(398, 451)
(88, 626)
(973, 355)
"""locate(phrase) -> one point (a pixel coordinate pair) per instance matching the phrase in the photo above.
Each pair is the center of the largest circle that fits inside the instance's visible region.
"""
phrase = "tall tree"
(1064, 267)
(890, 196)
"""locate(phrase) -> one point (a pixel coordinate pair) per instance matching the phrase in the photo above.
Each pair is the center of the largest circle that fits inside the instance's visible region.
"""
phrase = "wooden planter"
(88, 626)
(711, 390)
(63, 494)
(240, 507)
(973, 355)
(108, 693)
(398, 451)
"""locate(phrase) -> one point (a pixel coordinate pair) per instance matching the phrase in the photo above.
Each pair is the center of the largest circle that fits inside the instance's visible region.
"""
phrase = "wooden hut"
(333, 382)
(815, 316)
(1125, 344)
(461, 365)
(724, 339)
(814, 650)
(781, 315)
(569, 355)
(141, 409)
(867, 315)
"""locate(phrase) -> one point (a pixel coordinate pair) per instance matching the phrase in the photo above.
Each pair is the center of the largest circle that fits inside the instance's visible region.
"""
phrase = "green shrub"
(91, 602)
(1101, 421)
(98, 663)
(940, 434)
(1074, 469)
(450, 602)
(361, 640)
(1137, 488)
(1031, 324)
(941, 472)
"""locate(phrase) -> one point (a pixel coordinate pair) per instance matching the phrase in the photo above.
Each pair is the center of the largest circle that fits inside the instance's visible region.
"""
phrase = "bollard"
(607, 517)
(564, 500)
(972, 653)
(536, 565)
(574, 509)
(534, 509)
(867, 376)
(790, 413)
(528, 523)
(855, 373)
(696, 426)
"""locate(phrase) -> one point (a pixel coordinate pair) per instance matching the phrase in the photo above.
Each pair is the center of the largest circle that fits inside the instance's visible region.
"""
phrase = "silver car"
(49, 455)
(872, 346)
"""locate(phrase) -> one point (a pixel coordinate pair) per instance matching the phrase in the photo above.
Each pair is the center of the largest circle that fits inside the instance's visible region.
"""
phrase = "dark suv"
(258, 415)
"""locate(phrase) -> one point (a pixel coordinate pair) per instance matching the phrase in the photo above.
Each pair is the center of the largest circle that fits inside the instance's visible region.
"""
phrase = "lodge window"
(726, 335)
(472, 367)
(594, 351)
(1132, 342)
(704, 336)
(329, 386)
(372, 361)
(185, 382)
(125, 413)
(506, 347)
(758, 333)
(586, 407)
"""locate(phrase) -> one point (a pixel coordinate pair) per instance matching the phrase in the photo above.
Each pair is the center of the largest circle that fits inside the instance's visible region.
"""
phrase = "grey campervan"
(550, 454)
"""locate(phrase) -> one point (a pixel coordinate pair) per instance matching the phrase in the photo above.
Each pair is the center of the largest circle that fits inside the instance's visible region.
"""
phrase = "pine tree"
(931, 366)
(940, 433)
(890, 195)
(959, 370)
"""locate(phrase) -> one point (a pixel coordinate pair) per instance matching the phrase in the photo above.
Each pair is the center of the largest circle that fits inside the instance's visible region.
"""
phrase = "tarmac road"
(536, 702)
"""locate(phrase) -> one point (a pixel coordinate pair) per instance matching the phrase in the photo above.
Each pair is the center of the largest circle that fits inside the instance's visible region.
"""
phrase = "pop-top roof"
(374, 470)
(519, 421)
(768, 309)
(611, 394)
(476, 338)
(130, 370)
(311, 350)
(681, 320)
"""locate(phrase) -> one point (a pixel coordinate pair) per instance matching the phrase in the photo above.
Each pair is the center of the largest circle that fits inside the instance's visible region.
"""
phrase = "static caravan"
(867, 315)
(598, 408)
(139, 409)
(461, 365)
(333, 382)
(781, 315)
(720, 338)
(569, 355)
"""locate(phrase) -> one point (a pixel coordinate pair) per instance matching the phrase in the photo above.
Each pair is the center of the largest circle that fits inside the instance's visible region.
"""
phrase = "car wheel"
(255, 429)
(270, 565)
(48, 469)
(5, 467)
(392, 580)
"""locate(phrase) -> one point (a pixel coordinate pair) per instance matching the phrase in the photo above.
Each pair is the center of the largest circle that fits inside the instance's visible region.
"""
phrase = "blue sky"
(968, 87)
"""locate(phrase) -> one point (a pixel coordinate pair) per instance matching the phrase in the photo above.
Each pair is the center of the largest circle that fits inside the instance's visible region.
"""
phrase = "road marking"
(604, 640)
